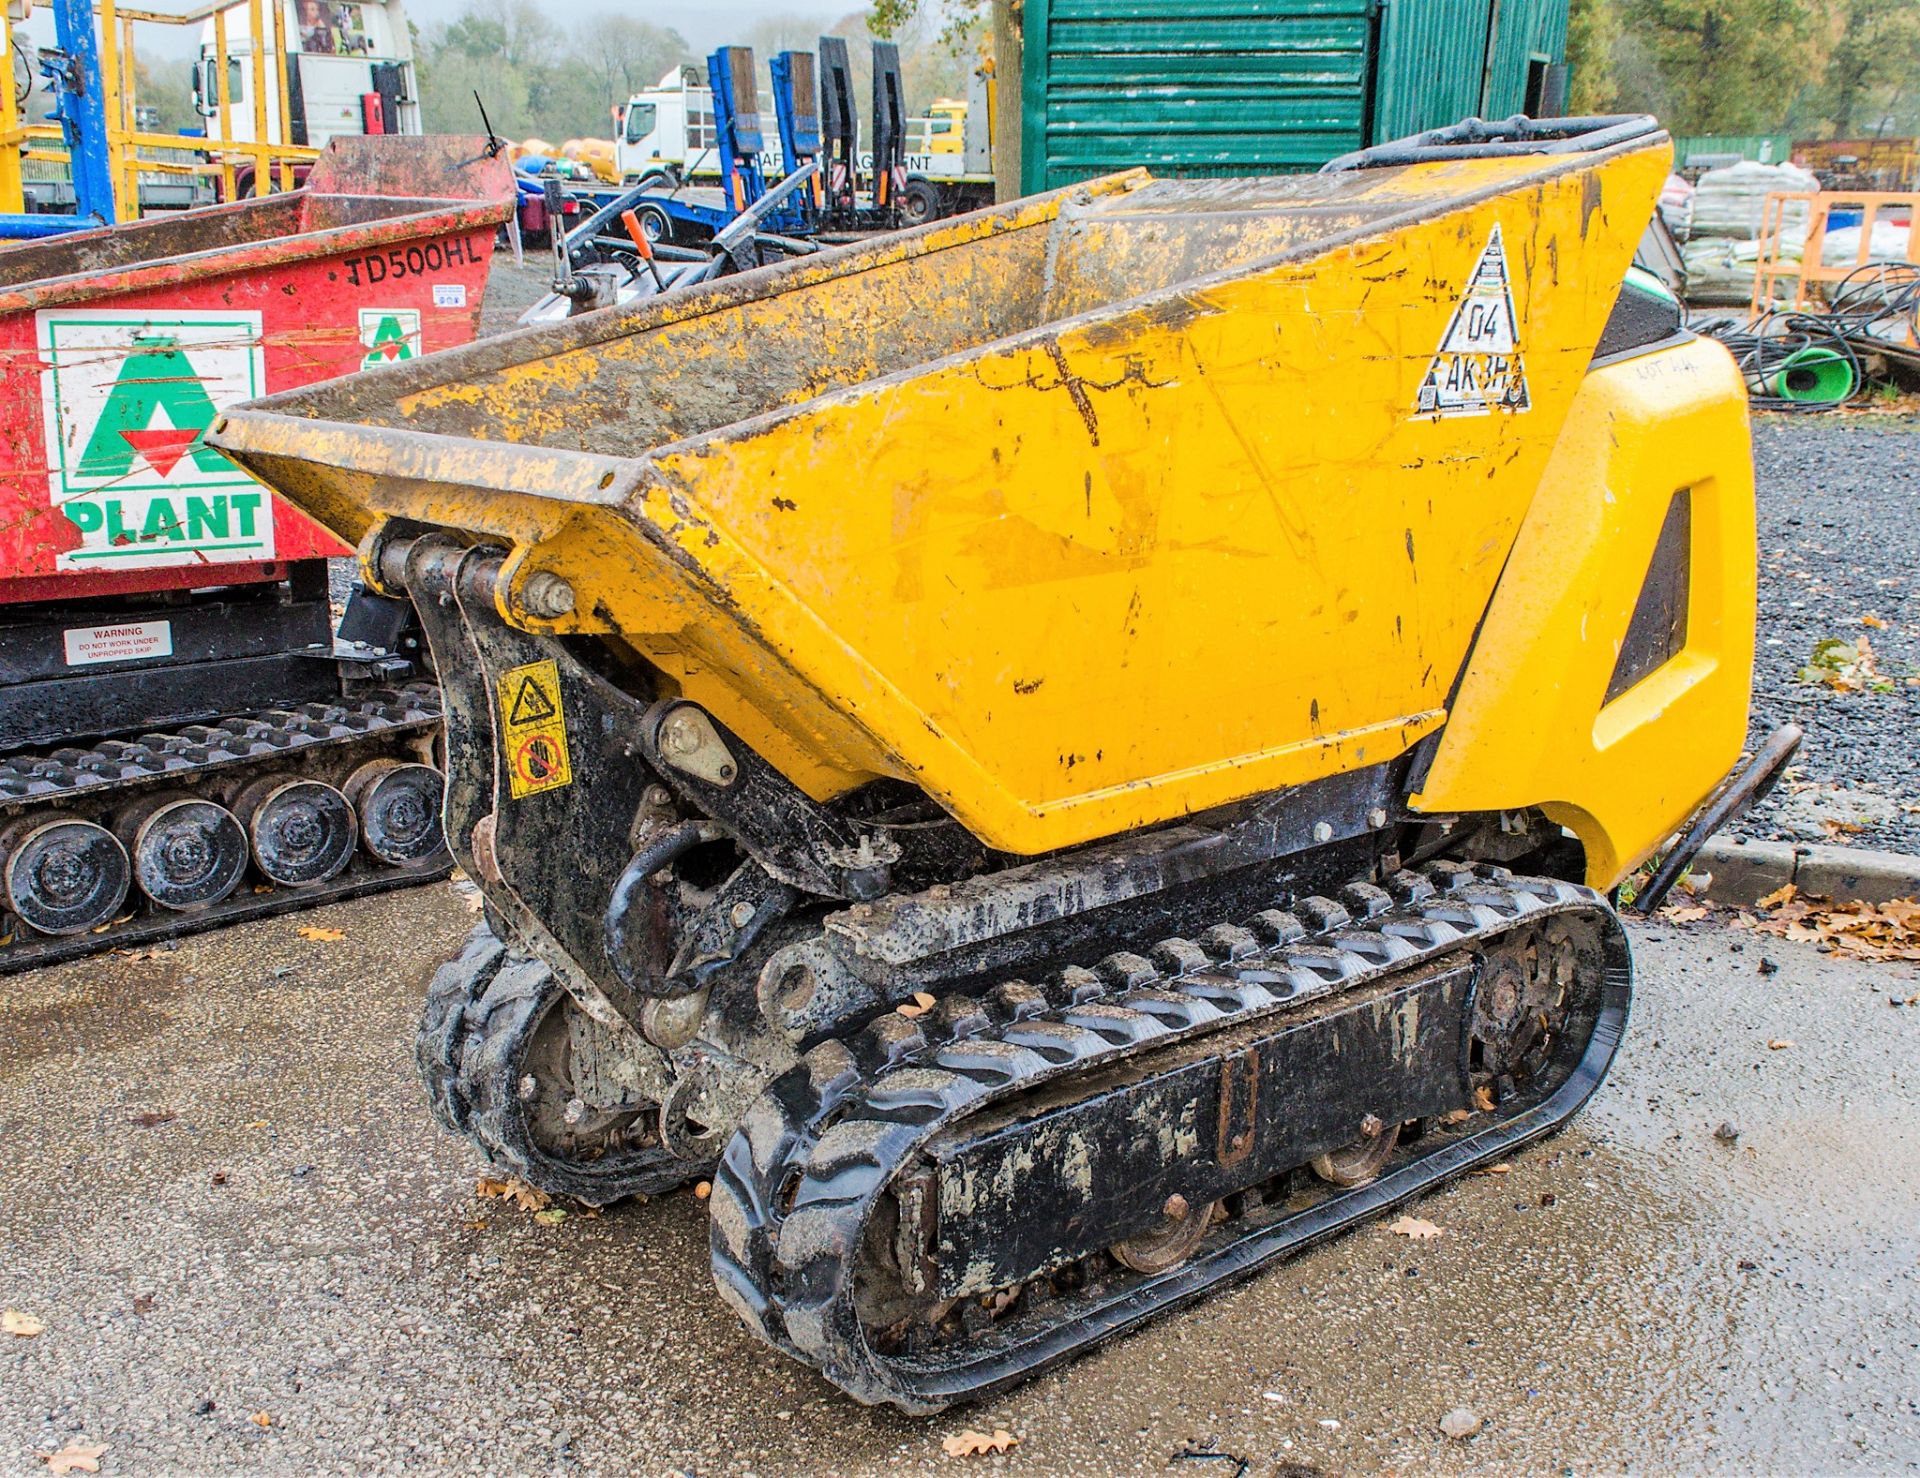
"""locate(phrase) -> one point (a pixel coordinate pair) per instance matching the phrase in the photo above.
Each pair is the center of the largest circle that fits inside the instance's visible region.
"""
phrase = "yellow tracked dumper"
(1065, 755)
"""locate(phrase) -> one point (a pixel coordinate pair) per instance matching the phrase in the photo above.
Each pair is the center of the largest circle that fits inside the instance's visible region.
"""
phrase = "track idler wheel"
(187, 852)
(62, 875)
(1518, 1010)
(300, 832)
(399, 809)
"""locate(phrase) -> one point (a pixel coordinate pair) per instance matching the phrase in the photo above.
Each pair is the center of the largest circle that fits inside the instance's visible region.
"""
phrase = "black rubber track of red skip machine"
(802, 1176)
(87, 784)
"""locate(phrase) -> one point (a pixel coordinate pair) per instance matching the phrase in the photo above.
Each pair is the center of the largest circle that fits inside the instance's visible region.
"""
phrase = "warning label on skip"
(1478, 368)
(533, 729)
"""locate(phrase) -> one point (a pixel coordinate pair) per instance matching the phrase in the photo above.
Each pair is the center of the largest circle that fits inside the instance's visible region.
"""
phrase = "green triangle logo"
(156, 381)
(389, 343)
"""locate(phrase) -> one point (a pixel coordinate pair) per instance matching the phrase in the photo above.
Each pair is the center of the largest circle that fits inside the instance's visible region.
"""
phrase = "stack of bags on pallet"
(1723, 237)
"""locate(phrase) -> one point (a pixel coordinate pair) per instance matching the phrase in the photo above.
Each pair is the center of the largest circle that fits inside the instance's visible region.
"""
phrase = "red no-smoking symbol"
(537, 760)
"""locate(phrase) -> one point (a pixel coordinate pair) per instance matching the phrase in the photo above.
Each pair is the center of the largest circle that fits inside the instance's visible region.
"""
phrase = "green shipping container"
(1235, 87)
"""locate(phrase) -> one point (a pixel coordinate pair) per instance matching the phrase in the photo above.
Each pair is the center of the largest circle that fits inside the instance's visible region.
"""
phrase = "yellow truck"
(1065, 755)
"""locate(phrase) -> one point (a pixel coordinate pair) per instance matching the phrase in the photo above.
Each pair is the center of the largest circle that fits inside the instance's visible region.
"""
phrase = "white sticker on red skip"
(128, 641)
(449, 295)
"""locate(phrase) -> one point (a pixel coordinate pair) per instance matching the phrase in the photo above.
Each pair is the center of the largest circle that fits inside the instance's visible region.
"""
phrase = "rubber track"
(116, 770)
(67, 775)
(827, 1138)
(479, 1018)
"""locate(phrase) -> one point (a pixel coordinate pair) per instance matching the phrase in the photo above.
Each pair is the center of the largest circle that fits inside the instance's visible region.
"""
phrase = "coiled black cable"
(1872, 307)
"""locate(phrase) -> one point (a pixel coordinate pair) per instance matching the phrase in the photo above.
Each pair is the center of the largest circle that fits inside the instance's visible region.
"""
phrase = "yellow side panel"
(1530, 726)
(1159, 561)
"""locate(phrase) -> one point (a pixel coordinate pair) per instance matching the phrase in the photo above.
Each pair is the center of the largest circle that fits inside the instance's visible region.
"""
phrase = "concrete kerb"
(1733, 870)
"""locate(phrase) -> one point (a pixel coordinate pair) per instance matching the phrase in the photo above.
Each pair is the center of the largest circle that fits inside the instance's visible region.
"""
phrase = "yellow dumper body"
(1127, 502)
(1055, 760)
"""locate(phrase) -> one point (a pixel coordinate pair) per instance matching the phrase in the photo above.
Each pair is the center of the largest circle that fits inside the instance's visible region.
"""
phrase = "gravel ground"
(223, 1196)
(1839, 500)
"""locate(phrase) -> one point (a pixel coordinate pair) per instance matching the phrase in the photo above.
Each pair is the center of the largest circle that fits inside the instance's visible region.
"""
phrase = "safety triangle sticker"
(531, 704)
(1478, 369)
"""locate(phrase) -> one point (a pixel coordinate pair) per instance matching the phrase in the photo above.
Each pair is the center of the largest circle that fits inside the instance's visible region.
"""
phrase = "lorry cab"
(670, 126)
(944, 127)
(348, 68)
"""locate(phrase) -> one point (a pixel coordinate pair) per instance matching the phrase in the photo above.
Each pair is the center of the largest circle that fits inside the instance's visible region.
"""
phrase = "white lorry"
(349, 70)
(669, 128)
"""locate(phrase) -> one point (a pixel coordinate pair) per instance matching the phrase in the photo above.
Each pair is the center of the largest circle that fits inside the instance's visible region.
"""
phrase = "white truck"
(349, 70)
(669, 128)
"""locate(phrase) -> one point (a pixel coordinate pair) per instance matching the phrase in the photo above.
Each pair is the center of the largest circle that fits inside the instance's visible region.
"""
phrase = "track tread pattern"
(478, 1021)
(812, 1156)
(93, 781)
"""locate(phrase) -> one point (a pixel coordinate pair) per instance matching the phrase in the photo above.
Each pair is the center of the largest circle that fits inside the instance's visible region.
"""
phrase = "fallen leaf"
(75, 1457)
(551, 1217)
(1416, 1228)
(1780, 1044)
(319, 935)
(153, 1117)
(1875, 622)
(25, 1326)
(1785, 893)
(920, 1005)
(526, 1197)
(261, 1419)
(703, 1190)
(1846, 667)
(1483, 1099)
(143, 1303)
(1460, 1423)
(971, 1443)
(1684, 914)
(1854, 930)
(256, 1123)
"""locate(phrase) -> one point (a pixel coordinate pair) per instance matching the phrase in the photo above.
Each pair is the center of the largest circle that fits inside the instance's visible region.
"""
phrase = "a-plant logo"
(127, 399)
(389, 335)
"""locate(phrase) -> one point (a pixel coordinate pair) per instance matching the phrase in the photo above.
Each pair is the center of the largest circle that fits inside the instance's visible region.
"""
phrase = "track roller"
(188, 852)
(398, 804)
(300, 832)
(61, 875)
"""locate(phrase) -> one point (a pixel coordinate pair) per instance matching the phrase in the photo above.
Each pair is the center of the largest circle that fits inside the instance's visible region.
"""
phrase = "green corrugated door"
(1432, 55)
(1190, 87)
(1437, 68)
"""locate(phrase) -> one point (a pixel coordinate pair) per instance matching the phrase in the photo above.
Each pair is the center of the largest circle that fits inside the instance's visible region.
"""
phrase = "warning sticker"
(1478, 368)
(533, 729)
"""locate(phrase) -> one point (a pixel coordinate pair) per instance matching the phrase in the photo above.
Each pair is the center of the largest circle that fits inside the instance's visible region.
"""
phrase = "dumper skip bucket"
(1084, 513)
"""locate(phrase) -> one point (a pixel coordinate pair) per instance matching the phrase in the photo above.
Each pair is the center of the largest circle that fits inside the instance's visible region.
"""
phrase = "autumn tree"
(1728, 66)
(1593, 31)
(1876, 44)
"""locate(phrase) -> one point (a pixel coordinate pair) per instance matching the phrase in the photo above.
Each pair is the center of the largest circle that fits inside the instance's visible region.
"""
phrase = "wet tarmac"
(221, 1192)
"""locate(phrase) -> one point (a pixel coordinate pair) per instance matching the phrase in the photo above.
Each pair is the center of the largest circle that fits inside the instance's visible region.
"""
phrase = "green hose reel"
(1810, 376)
